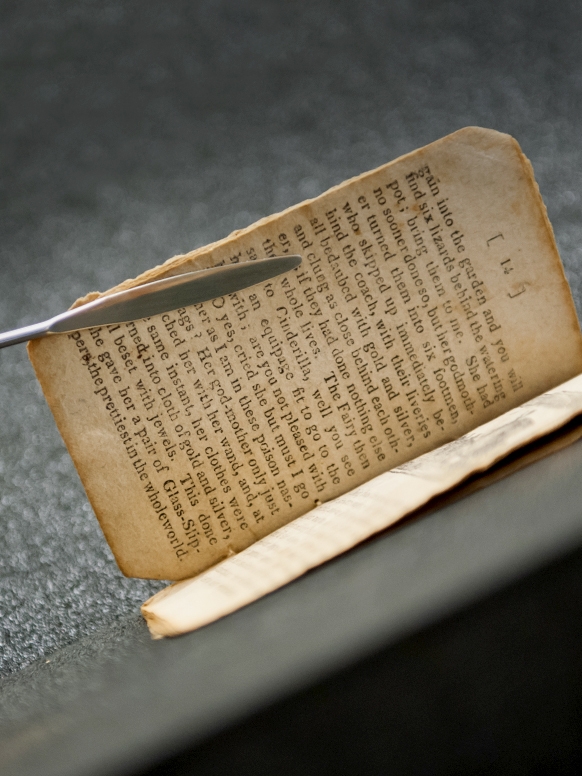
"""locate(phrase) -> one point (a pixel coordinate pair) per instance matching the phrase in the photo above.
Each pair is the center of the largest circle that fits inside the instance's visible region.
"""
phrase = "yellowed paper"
(431, 299)
(339, 525)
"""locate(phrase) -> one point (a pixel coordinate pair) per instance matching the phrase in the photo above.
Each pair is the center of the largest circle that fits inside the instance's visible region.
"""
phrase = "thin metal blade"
(170, 293)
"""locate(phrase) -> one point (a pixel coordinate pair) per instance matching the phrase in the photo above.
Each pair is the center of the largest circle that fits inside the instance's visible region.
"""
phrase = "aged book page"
(338, 525)
(431, 299)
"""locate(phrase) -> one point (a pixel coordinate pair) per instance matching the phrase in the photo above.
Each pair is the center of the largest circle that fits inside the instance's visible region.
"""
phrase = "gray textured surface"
(117, 701)
(131, 132)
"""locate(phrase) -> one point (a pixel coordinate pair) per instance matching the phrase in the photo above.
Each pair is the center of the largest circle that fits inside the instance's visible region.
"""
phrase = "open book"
(238, 443)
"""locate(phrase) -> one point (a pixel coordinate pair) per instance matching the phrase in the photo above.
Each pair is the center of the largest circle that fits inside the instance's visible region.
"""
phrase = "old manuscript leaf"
(337, 526)
(431, 299)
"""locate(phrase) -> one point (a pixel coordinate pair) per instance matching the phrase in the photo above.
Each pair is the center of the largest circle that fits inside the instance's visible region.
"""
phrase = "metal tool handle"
(25, 333)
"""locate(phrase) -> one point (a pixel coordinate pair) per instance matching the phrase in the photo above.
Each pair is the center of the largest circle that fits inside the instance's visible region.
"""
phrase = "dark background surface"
(133, 131)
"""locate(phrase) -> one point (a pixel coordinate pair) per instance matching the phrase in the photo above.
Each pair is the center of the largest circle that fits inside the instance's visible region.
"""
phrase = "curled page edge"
(338, 525)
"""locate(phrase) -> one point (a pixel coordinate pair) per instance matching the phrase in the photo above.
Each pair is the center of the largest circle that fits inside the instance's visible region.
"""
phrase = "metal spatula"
(158, 297)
